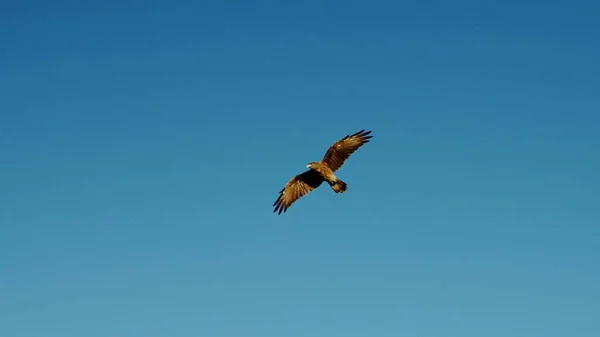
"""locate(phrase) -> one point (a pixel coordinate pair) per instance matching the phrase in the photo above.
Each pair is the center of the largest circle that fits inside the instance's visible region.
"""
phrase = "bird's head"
(310, 165)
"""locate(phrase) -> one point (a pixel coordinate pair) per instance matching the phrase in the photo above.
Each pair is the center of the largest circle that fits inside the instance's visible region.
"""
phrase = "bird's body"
(337, 185)
(321, 171)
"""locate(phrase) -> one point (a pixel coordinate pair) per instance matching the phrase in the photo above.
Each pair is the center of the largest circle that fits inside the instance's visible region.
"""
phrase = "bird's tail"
(339, 186)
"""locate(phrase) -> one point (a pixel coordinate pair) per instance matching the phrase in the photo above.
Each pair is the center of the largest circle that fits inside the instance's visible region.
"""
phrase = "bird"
(321, 171)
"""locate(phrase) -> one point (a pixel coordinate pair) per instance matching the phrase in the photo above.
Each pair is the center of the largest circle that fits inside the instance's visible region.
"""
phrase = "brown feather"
(341, 150)
(297, 187)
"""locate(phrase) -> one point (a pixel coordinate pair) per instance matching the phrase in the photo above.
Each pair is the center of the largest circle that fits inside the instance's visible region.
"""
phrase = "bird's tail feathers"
(339, 186)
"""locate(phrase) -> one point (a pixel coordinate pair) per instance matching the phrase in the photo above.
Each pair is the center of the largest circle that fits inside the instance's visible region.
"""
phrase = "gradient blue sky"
(144, 142)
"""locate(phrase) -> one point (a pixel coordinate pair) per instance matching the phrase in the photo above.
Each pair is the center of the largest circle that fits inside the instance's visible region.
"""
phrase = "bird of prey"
(321, 171)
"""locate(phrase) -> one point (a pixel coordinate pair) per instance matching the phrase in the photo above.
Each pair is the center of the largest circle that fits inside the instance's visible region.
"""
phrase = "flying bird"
(318, 172)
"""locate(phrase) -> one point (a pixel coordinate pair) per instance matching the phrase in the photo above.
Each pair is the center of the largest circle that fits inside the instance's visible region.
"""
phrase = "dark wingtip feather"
(362, 133)
(279, 206)
(366, 136)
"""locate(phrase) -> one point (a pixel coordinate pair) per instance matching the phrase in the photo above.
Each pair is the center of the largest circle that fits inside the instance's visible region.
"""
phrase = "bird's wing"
(296, 188)
(341, 150)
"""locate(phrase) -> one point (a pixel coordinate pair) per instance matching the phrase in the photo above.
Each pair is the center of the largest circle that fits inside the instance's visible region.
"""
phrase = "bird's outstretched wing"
(296, 188)
(341, 150)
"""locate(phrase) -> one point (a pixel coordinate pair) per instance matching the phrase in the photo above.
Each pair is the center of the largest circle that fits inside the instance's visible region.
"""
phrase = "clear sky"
(144, 142)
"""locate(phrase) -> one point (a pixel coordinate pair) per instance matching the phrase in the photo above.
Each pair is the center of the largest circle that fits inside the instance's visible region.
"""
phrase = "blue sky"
(145, 142)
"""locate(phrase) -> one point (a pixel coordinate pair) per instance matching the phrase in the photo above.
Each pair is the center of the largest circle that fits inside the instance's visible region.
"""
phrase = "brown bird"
(334, 158)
